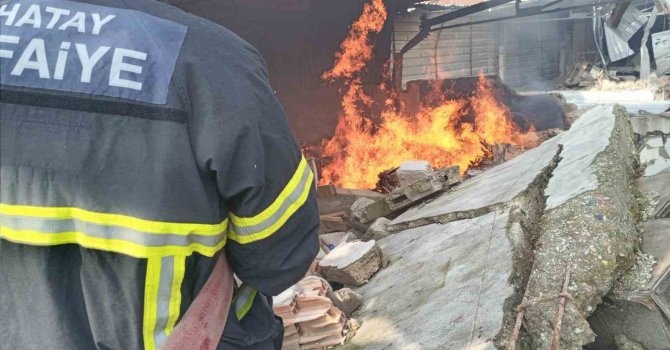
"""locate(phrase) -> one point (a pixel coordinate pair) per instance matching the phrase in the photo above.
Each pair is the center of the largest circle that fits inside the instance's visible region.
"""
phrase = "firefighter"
(143, 155)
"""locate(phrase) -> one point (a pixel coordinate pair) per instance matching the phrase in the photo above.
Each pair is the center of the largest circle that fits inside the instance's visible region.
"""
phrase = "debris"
(646, 124)
(660, 43)
(334, 222)
(657, 183)
(359, 207)
(503, 152)
(638, 277)
(346, 300)
(358, 193)
(434, 182)
(375, 210)
(656, 155)
(412, 171)
(311, 320)
(352, 263)
(378, 229)
(388, 181)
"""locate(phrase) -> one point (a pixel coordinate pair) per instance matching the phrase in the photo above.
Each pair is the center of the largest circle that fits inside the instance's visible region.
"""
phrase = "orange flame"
(439, 133)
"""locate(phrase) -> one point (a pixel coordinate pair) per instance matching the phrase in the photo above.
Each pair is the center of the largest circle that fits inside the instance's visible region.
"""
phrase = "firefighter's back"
(110, 215)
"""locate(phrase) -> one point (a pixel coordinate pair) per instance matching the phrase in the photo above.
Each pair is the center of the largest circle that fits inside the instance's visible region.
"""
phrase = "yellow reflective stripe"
(150, 302)
(247, 306)
(114, 220)
(175, 295)
(272, 209)
(248, 238)
(110, 245)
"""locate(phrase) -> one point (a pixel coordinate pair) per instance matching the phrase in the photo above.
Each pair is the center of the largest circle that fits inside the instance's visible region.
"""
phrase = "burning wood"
(444, 132)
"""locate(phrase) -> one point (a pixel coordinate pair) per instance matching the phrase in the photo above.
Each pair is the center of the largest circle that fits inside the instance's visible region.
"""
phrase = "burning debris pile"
(445, 131)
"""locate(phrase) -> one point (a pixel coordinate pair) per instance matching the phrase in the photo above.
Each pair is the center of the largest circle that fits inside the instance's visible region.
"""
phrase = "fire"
(443, 132)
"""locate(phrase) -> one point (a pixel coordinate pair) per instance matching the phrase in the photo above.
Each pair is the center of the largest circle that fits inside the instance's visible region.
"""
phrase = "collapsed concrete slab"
(487, 192)
(587, 228)
(352, 263)
(448, 286)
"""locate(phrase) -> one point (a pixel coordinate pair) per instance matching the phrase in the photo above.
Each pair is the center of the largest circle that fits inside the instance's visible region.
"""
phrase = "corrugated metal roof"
(617, 48)
(631, 22)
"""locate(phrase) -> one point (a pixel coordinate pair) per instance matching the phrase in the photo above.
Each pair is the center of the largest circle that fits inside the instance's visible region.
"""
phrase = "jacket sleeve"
(241, 136)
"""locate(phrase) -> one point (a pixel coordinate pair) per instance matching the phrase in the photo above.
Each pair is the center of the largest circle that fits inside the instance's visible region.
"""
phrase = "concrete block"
(359, 207)
(378, 229)
(352, 263)
(346, 300)
(412, 171)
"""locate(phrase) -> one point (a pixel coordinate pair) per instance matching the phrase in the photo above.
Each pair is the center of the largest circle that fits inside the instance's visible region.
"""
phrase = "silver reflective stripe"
(243, 300)
(55, 226)
(292, 198)
(163, 300)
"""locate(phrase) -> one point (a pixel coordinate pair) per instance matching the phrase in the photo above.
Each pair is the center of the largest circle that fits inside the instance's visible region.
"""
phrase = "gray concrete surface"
(445, 287)
(648, 124)
(486, 192)
(587, 137)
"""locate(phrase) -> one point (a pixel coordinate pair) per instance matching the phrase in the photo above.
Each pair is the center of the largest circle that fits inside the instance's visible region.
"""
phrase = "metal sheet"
(631, 22)
(661, 44)
(617, 48)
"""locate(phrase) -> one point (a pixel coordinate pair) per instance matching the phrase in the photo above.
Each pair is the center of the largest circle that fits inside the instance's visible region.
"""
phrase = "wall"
(524, 53)
(459, 52)
(531, 52)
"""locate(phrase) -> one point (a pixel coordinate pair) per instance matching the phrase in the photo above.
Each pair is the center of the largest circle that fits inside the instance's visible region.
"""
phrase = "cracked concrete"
(443, 289)
(464, 260)
(588, 226)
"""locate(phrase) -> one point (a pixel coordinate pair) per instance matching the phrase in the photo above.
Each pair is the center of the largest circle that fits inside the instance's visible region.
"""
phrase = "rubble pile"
(496, 248)
(311, 320)
(638, 308)
(518, 253)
